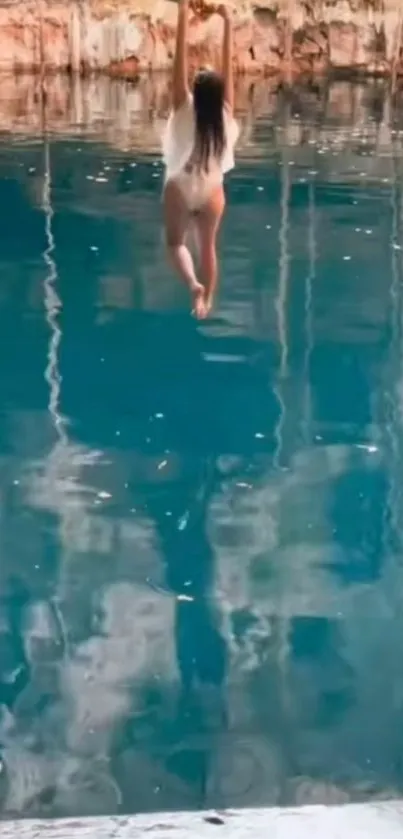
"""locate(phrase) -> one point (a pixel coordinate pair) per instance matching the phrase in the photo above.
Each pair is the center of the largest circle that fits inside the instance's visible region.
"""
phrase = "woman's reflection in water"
(186, 423)
(189, 434)
(201, 648)
(189, 558)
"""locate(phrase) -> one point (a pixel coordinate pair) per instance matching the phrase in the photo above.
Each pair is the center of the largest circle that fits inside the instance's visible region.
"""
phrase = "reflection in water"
(52, 303)
(393, 392)
(200, 523)
(282, 298)
(200, 646)
(309, 337)
(284, 259)
(57, 459)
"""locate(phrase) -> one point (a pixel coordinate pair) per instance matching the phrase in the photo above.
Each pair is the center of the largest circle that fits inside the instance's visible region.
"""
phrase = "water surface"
(201, 558)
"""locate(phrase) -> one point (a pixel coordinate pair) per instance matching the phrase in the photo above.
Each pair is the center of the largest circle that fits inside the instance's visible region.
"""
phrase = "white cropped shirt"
(179, 139)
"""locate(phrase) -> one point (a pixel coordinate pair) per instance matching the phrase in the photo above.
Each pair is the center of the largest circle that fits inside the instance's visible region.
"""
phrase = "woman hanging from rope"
(198, 150)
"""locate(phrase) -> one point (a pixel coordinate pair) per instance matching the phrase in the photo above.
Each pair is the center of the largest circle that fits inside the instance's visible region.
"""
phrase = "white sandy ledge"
(383, 820)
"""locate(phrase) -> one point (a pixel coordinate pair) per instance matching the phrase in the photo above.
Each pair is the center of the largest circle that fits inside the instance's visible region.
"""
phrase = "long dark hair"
(208, 98)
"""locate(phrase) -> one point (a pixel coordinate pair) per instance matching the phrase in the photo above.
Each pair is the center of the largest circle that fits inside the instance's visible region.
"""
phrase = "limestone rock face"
(126, 37)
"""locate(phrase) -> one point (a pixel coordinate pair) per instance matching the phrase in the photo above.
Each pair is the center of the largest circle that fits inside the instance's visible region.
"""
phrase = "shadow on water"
(200, 523)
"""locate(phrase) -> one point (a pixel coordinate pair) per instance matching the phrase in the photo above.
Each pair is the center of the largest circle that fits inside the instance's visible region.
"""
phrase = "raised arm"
(180, 66)
(227, 55)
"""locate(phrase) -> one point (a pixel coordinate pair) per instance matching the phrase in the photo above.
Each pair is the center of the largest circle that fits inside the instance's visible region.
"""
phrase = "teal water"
(201, 551)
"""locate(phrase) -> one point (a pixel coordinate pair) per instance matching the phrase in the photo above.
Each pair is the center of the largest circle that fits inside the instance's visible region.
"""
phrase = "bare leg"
(208, 222)
(176, 216)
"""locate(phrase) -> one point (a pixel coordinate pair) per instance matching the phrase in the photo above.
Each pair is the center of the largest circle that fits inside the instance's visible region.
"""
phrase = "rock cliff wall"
(124, 37)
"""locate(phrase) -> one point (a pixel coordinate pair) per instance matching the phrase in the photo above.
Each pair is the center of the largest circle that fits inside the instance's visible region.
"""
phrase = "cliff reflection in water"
(127, 114)
(201, 525)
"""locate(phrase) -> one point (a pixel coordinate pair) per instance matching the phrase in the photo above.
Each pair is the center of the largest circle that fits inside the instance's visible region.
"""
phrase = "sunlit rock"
(271, 36)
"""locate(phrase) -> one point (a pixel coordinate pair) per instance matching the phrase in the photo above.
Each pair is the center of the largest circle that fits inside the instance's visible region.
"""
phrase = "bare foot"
(199, 305)
(209, 303)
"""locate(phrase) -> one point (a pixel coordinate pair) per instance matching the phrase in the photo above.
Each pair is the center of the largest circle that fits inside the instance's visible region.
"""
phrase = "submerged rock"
(290, 37)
